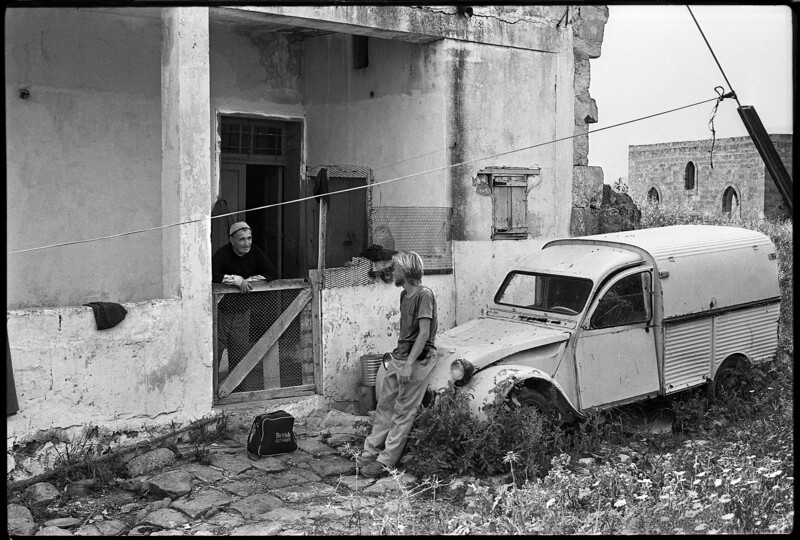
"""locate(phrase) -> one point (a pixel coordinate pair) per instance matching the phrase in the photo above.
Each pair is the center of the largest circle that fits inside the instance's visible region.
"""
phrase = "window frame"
(513, 190)
(278, 157)
(727, 202)
(690, 182)
(503, 286)
(647, 296)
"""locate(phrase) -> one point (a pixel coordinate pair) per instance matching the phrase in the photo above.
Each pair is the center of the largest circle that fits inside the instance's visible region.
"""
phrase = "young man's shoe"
(376, 469)
(363, 460)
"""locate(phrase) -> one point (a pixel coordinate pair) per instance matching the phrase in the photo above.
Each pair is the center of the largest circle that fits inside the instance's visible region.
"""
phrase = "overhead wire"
(368, 186)
(714, 55)
(720, 91)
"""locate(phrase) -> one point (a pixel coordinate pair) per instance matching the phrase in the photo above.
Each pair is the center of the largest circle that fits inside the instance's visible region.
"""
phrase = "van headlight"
(461, 371)
(387, 357)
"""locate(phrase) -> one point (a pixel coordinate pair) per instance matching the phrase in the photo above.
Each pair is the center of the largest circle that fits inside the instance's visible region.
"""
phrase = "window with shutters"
(509, 186)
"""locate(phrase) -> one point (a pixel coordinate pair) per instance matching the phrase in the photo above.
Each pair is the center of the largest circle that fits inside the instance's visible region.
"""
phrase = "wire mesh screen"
(243, 320)
(348, 227)
(425, 230)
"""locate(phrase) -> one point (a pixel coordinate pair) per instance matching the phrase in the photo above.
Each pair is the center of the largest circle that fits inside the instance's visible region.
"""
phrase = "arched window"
(730, 201)
(653, 196)
(689, 176)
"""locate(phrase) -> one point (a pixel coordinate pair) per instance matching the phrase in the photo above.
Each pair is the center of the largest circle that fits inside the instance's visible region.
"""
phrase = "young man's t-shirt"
(414, 307)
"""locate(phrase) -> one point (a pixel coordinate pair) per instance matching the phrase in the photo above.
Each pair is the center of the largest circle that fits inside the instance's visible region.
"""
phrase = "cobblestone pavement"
(311, 491)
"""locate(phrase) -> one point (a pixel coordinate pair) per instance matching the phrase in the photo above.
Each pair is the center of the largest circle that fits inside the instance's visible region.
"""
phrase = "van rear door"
(615, 351)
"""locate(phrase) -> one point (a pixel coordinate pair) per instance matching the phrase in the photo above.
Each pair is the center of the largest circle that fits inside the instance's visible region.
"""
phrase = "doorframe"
(314, 279)
(306, 256)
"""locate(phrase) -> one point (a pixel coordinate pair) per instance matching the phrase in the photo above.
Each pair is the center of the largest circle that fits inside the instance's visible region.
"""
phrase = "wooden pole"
(105, 457)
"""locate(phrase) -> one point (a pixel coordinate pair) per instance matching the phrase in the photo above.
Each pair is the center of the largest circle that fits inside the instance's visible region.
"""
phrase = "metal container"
(369, 368)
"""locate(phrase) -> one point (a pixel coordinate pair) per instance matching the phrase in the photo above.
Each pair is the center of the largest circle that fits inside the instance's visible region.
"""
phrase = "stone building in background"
(738, 183)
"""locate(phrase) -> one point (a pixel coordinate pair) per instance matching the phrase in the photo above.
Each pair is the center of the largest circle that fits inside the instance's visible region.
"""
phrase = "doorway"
(260, 166)
(274, 329)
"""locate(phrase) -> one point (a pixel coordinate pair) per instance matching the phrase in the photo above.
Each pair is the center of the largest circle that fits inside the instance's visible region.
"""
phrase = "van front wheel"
(527, 397)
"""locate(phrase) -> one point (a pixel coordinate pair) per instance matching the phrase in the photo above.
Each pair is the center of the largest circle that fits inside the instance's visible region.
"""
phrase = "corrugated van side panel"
(687, 354)
(753, 332)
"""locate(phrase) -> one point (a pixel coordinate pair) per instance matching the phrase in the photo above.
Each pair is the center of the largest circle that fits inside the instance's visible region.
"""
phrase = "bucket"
(370, 363)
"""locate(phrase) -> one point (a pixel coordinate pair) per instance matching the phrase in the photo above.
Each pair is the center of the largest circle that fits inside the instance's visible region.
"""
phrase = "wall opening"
(653, 196)
(730, 201)
(360, 52)
(690, 176)
(259, 166)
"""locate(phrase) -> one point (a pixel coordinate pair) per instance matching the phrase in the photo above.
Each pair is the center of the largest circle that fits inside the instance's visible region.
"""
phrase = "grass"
(724, 468)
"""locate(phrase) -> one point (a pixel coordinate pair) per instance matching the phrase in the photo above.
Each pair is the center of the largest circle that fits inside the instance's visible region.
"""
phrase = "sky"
(653, 59)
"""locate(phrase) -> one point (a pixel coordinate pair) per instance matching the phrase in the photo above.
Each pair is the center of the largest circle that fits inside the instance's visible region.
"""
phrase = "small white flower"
(619, 503)
(717, 482)
(550, 503)
(727, 517)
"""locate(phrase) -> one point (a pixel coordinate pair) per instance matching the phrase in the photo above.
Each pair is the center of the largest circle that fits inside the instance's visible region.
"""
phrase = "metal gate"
(266, 342)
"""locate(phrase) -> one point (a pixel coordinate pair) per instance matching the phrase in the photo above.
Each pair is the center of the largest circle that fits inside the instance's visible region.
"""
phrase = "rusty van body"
(599, 321)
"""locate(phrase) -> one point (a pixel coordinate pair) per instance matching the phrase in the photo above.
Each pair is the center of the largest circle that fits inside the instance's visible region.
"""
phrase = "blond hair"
(410, 264)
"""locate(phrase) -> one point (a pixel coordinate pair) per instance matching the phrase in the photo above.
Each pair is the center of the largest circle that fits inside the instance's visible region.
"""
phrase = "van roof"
(678, 240)
(702, 267)
(575, 260)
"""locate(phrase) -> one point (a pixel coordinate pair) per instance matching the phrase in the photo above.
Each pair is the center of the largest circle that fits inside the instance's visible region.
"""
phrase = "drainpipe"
(768, 153)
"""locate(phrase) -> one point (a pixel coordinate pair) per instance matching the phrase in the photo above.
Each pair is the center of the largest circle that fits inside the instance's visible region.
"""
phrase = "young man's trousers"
(396, 410)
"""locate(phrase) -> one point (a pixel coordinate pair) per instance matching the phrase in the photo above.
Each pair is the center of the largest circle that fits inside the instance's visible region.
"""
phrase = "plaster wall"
(69, 374)
(154, 366)
(737, 163)
(83, 156)
(480, 268)
(507, 100)
(258, 73)
(366, 320)
(391, 111)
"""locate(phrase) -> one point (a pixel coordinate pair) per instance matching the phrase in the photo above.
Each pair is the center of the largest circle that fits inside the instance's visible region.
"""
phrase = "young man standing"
(408, 371)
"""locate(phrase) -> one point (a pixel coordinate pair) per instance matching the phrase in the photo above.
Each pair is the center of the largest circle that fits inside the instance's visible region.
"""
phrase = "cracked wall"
(366, 320)
(69, 373)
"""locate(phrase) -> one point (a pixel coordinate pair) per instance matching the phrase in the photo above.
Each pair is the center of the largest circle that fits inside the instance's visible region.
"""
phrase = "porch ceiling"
(258, 19)
(258, 24)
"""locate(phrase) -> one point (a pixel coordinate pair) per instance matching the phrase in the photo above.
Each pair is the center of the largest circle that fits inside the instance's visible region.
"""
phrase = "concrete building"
(138, 119)
(738, 183)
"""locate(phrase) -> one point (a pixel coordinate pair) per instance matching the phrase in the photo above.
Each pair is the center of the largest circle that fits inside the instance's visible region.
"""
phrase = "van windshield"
(545, 292)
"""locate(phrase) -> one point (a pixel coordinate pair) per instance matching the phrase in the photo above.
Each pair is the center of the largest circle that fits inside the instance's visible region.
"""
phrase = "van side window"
(626, 302)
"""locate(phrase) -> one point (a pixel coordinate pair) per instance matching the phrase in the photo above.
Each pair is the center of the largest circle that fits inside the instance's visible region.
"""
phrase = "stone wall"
(588, 25)
(737, 164)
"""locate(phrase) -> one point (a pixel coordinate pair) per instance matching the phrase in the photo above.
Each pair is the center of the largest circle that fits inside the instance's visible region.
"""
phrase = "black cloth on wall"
(107, 314)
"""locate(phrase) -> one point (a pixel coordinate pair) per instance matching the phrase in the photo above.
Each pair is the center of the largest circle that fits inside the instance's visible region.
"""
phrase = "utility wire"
(444, 167)
(714, 55)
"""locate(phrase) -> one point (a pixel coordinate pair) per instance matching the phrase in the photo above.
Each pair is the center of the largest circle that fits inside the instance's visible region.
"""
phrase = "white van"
(599, 321)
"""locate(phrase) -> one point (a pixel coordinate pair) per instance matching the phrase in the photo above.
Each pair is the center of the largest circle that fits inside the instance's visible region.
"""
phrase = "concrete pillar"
(186, 150)
(186, 188)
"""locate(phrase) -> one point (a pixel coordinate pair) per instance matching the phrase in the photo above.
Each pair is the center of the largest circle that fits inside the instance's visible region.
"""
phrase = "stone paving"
(310, 491)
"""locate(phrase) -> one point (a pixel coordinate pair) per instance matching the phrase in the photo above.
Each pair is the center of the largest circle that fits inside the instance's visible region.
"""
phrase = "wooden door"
(233, 187)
